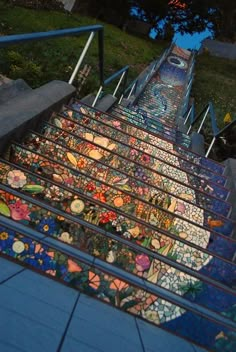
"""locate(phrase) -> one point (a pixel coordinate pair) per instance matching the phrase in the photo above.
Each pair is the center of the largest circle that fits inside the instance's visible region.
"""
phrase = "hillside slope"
(40, 62)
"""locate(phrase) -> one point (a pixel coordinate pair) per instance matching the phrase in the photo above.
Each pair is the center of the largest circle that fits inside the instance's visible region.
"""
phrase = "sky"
(188, 41)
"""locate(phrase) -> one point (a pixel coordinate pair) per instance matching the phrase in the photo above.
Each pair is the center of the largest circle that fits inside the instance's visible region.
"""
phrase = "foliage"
(197, 15)
(212, 72)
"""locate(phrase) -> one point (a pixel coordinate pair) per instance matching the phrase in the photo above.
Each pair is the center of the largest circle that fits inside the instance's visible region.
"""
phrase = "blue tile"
(9, 347)
(25, 334)
(72, 345)
(156, 339)
(8, 269)
(111, 320)
(44, 289)
(93, 335)
(32, 308)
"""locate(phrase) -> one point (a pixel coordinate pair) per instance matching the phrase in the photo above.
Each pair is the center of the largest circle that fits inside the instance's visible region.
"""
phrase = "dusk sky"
(188, 41)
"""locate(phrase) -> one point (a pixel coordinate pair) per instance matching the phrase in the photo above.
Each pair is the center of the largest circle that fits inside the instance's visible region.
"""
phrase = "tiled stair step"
(180, 150)
(156, 272)
(115, 287)
(60, 221)
(211, 221)
(145, 154)
(142, 134)
(158, 178)
(160, 242)
(130, 220)
(156, 182)
(141, 116)
(141, 190)
(151, 125)
(154, 127)
(149, 103)
(168, 117)
(157, 194)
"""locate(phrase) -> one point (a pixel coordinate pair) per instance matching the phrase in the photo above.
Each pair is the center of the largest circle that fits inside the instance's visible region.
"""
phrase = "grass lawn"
(215, 80)
(41, 62)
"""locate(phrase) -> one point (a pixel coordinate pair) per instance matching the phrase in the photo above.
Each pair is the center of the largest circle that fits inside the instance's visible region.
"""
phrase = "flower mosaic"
(142, 157)
(122, 225)
(126, 202)
(156, 154)
(122, 113)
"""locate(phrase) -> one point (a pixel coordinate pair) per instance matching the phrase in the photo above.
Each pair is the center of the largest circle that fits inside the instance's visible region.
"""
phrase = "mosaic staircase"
(116, 206)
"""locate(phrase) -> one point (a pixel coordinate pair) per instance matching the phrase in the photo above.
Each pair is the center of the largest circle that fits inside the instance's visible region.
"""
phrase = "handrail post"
(91, 36)
(121, 98)
(131, 90)
(118, 85)
(204, 118)
(210, 146)
(97, 96)
(189, 112)
(101, 54)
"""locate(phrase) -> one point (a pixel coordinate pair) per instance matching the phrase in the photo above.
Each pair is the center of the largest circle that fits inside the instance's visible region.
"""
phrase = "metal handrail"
(208, 109)
(122, 72)
(22, 38)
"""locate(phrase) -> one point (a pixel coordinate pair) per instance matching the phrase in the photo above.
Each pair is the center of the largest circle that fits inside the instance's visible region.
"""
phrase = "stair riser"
(135, 186)
(23, 157)
(143, 141)
(182, 153)
(77, 230)
(50, 223)
(139, 156)
(143, 118)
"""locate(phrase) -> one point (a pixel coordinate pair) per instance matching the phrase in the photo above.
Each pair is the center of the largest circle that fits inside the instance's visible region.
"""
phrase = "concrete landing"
(38, 314)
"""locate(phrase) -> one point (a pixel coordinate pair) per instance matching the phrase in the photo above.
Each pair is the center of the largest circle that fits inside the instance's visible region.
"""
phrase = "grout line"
(68, 325)
(140, 336)
(11, 277)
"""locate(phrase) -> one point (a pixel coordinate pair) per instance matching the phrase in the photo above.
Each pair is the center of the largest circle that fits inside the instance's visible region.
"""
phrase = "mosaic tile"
(90, 241)
(142, 141)
(141, 157)
(135, 186)
(171, 206)
(94, 282)
(186, 154)
(164, 93)
(126, 226)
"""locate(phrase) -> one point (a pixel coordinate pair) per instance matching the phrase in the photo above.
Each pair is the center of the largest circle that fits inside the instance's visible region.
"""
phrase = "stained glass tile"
(141, 157)
(171, 206)
(130, 185)
(165, 92)
(135, 184)
(174, 149)
(145, 218)
(145, 143)
(124, 221)
(94, 242)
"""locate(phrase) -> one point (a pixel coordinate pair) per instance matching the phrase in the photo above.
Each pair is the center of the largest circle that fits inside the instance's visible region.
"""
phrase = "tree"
(197, 15)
